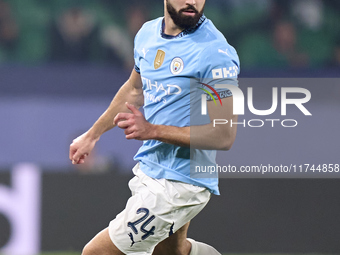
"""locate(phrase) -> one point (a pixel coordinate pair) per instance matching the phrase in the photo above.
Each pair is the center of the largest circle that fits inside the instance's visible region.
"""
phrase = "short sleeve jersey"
(166, 65)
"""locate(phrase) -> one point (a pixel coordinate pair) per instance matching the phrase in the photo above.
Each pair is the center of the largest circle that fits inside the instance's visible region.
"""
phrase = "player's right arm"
(131, 92)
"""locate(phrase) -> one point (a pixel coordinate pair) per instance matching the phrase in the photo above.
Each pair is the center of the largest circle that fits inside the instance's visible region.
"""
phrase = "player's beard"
(181, 20)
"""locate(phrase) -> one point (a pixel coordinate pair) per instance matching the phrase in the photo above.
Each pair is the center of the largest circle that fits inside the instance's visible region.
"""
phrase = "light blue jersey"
(166, 64)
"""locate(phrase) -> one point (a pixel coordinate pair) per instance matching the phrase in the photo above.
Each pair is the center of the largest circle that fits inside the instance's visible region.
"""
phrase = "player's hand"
(134, 124)
(80, 148)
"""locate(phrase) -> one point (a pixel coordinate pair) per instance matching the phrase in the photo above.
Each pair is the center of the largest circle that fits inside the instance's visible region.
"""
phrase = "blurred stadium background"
(62, 61)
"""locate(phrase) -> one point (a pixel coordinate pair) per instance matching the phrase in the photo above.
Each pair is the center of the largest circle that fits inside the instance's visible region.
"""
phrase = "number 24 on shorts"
(147, 233)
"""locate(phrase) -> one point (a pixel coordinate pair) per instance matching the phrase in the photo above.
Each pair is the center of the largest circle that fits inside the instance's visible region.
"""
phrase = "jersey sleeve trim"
(222, 94)
(137, 69)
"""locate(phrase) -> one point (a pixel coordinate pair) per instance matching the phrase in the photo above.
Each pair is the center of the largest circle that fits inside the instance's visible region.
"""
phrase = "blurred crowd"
(266, 33)
(281, 34)
(37, 31)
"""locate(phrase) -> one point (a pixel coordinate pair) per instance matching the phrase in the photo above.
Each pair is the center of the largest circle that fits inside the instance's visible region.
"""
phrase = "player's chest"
(168, 60)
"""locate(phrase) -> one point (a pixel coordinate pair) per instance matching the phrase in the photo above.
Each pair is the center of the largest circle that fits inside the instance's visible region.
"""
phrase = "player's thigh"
(101, 244)
(176, 241)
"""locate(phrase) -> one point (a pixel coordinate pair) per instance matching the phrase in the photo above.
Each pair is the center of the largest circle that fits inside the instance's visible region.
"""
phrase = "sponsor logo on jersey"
(159, 59)
(220, 73)
(155, 91)
(176, 66)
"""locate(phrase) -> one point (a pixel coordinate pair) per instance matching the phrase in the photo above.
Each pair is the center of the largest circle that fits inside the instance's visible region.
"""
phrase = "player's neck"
(169, 26)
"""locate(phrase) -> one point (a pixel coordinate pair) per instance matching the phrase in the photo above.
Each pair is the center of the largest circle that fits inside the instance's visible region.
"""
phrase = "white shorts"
(156, 209)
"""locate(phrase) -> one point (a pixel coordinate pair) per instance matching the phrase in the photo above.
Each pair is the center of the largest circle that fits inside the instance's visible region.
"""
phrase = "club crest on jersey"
(176, 66)
(159, 59)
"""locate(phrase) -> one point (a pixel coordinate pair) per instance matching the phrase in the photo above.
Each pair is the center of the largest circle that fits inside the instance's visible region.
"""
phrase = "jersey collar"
(184, 32)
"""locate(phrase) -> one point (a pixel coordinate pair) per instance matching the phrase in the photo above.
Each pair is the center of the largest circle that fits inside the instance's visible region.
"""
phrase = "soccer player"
(169, 53)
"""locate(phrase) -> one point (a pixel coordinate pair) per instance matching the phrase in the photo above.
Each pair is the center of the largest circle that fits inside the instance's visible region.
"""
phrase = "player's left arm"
(207, 137)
